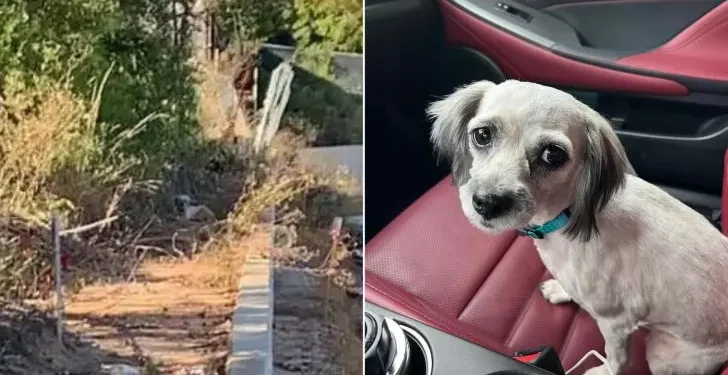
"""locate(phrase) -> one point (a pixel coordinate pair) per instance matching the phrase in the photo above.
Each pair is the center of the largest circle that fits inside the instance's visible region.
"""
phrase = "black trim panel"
(384, 9)
(557, 36)
(628, 25)
(453, 355)
(542, 30)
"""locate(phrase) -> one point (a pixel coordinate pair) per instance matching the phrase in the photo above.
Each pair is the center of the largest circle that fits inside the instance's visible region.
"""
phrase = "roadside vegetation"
(105, 118)
(325, 108)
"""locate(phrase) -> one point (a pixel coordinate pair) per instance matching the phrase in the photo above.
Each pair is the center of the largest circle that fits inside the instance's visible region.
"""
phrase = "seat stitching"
(428, 318)
(486, 278)
(521, 316)
(390, 295)
(569, 335)
(706, 29)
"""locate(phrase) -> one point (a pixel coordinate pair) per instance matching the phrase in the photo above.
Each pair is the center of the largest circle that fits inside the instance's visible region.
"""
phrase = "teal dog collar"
(540, 231)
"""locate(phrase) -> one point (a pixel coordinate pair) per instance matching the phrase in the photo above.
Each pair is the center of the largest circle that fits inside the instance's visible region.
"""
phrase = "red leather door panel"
(700, 51)
(520, 59)
(724, 213)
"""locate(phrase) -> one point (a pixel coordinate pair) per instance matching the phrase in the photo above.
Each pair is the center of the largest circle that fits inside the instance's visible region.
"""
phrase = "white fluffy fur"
(650, 260)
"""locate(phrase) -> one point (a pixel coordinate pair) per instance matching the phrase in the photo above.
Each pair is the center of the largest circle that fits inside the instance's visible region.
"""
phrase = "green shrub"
(319, 27)
(336, 24)
(77, 40)
(47, 38)
(317, 59)
(254, 20)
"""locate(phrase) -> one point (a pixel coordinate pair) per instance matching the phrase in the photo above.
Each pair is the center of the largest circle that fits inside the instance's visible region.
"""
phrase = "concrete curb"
(251, 351)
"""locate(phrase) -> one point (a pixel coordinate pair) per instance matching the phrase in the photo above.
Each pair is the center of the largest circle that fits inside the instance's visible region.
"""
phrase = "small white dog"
(534, 158)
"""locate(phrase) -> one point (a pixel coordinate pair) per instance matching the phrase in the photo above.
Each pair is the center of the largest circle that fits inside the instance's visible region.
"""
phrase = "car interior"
(444, 298)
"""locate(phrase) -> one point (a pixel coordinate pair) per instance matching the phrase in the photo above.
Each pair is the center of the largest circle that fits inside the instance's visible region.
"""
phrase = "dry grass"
(220, 121)
(41, 144)
(53, 161)
(211, 112)
(170, 311)
(56, 158)
(177, 314)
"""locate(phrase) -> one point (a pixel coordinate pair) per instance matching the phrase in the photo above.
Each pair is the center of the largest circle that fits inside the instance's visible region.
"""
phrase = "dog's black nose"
(490, 206)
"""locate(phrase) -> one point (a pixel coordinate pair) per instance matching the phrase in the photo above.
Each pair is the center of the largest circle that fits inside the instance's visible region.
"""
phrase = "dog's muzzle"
(491, 206)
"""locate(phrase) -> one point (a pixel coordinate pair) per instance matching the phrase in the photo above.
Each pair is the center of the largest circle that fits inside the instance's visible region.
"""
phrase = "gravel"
(316, 325)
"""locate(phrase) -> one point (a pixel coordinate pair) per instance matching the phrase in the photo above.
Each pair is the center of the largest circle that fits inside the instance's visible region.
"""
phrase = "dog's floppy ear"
(603, 174)
(450, 132)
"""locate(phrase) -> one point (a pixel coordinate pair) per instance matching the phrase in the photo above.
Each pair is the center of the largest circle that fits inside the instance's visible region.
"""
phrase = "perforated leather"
(430, 264)
(724, 213)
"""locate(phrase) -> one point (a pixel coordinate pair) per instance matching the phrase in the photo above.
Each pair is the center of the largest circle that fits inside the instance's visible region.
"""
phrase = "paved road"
(329, 159)
(252, 336)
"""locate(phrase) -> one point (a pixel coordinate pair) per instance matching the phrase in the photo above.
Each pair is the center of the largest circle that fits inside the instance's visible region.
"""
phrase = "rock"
(120, 369)
(354, 291)
(196, 370)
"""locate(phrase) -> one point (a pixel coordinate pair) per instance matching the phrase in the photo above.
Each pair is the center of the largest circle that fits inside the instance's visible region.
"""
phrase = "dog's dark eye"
(554, 156)
(480, 136)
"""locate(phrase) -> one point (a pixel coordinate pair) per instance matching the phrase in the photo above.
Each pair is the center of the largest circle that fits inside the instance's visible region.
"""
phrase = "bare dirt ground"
(30, 346)
(176, 317)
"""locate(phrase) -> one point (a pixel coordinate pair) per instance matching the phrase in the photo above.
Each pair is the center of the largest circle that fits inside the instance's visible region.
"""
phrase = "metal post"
(57, 275)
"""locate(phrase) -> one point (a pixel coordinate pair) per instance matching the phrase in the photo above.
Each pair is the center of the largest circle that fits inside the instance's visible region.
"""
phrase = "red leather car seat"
(724, 214)
(431, 265)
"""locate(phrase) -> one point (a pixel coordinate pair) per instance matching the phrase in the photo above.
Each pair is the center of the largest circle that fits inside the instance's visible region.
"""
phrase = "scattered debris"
(120, 369)
(318, 300)
(30, 346)
(197, 370)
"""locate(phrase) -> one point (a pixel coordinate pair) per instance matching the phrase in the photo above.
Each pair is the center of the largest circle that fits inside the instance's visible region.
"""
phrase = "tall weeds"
(52, 159)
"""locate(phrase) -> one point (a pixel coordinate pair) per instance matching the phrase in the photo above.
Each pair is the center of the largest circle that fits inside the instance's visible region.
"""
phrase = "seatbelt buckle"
(544, 357)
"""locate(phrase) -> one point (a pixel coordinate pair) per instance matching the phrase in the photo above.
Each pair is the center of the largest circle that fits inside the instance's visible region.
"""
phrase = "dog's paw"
(599, 370)
(554, 292)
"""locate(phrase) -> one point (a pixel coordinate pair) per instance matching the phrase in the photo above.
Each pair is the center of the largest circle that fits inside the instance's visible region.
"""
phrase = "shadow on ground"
(178, 342)
(30, 346)
(179, 313)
